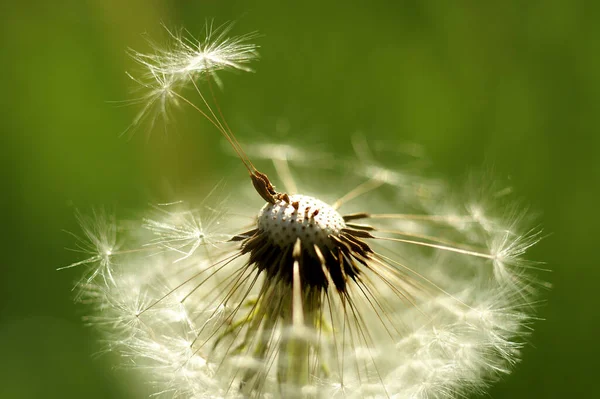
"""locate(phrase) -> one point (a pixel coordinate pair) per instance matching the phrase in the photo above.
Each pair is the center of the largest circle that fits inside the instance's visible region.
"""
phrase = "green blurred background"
(515, 84)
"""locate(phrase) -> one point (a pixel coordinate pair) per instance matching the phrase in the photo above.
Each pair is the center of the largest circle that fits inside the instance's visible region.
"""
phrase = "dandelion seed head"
(396, 289)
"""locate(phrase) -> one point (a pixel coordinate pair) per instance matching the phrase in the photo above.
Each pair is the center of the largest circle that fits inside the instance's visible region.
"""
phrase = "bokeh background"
(513, 84)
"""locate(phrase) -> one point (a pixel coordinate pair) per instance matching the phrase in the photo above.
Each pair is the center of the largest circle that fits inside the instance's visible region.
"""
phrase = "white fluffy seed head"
(304, 217)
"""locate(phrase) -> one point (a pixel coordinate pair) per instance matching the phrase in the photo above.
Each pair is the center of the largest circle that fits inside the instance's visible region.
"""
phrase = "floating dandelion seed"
(165, 72)
(310, 299)
(100, 242)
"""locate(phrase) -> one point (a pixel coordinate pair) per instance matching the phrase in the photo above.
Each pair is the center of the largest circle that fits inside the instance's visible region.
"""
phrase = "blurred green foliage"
(514, 83)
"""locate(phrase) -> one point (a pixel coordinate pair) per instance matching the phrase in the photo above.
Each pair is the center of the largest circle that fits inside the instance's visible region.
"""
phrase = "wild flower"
(386, 288)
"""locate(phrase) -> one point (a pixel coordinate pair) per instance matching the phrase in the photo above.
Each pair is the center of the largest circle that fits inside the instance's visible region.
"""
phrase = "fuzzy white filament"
(379, 294)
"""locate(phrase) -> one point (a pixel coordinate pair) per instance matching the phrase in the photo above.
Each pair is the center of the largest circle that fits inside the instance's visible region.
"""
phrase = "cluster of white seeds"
(303, 217)
(439, 310)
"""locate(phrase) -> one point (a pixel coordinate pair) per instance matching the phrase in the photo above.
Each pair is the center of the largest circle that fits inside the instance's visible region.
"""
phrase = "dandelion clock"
(377, 283)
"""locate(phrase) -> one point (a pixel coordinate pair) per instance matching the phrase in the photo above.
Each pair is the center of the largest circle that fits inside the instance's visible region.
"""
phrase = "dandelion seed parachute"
(306, 298)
